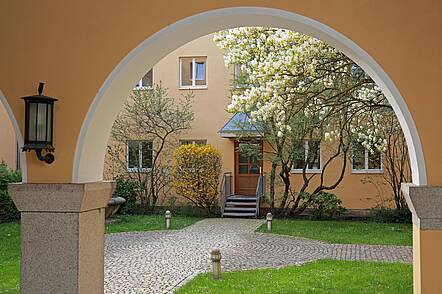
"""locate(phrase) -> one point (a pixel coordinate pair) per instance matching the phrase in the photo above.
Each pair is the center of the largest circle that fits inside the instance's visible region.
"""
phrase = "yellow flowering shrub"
(196, 172)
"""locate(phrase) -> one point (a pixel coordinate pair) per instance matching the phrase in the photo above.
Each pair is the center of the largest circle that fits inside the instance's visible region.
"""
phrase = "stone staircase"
(241, 206)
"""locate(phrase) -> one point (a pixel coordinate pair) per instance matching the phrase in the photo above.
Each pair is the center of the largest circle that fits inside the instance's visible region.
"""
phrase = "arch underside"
(91, 145)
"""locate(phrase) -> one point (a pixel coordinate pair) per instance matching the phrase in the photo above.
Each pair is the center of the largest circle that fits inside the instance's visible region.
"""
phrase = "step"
(237, 214)
(242, 198)
(240, 203)
(240, 209)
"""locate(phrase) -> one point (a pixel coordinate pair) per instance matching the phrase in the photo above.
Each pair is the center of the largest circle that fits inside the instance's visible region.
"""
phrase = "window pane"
(243, 169)
(200, 71)
(236, 71)
(199, 75)
(254, 169)
(133, 156)
(186, 71)
(147, 80)
(358, 157)
(243, 158)
(314, 155)
(299, 156)
(374, 160)
(146, 149)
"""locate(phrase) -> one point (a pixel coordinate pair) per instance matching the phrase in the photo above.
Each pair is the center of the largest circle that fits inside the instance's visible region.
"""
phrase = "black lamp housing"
(39, 121)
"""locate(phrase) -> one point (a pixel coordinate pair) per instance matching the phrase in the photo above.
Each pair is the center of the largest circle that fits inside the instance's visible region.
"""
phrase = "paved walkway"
(159, 261)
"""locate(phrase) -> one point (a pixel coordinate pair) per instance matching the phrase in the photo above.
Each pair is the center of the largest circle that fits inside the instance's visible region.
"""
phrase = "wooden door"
(247, 168)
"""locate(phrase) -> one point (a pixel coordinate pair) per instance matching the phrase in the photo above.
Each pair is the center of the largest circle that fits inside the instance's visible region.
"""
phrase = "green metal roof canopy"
(240, 126)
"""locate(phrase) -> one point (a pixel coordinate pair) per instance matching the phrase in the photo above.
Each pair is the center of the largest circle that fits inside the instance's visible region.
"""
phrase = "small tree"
(154, 116)
(196, 172)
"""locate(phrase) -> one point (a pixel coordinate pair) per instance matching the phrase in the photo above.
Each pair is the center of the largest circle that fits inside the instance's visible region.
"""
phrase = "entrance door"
(247, 167)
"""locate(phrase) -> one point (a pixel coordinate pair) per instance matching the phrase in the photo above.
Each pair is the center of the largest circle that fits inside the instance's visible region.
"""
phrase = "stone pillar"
(425, 203)
(62, 236)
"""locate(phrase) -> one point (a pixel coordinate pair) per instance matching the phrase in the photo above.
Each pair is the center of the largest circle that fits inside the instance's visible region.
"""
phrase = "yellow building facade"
(361, 188)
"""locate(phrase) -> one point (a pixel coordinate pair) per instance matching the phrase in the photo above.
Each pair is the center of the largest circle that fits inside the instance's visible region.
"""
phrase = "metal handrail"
(226, 190)
(260, 191)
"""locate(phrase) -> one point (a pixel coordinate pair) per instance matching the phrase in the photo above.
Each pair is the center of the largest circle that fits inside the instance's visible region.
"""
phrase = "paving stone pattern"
(160, 261)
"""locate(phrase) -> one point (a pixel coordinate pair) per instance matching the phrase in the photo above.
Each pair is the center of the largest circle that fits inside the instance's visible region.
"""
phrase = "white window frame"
(310, 170)
(139, 86)
(366, 170)
(140, 157)
(194, 62)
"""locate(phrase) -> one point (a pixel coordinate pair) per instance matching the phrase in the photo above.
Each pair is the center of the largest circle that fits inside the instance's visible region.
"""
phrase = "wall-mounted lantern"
(39, 119)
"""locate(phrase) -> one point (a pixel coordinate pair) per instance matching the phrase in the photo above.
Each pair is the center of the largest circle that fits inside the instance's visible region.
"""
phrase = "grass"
(10, 242)
(345, 232)
(136, 223)
(9, 257)
(323, 276)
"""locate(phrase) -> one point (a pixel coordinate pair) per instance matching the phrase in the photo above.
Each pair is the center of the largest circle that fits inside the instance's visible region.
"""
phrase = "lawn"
(9, 257)
(10, 242)
(346, 232)
(136, 223)
(323, 276)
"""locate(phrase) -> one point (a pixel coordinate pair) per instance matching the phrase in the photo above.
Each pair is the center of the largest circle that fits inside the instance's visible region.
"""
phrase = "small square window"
(139, 156)
(193, 72)
(308, 152)
(364, 160)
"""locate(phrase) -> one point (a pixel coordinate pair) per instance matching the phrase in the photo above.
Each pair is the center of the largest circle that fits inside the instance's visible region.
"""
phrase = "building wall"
(357, 191)
(8, 142)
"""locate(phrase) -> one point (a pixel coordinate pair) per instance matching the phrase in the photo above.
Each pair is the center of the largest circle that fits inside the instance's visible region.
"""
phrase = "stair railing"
(260, 191)
(226, 190)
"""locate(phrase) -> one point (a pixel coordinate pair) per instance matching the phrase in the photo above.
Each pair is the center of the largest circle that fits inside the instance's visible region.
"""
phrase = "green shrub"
(324, 204)
(8, 211)
(126, 188)
(389, 215)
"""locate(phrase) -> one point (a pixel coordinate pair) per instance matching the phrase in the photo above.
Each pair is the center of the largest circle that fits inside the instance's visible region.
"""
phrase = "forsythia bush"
(196, 172)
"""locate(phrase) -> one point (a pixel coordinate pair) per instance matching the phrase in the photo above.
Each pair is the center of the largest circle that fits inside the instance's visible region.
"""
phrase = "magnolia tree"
(299, 88)
(154, 119)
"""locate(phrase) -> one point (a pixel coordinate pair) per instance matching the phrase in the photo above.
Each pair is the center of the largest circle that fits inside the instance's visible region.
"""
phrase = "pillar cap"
(57, 197)
(425, 203)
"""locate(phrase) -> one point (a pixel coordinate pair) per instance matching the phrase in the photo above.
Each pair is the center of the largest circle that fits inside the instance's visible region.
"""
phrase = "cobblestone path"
(159, 261)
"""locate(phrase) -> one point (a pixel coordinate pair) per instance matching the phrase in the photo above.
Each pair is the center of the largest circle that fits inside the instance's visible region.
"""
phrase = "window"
(365, 161)
(237, 72)
(193, 72)
(192, 141)
(240, 77)
(146, 81)
(310, 152)
(139, 156)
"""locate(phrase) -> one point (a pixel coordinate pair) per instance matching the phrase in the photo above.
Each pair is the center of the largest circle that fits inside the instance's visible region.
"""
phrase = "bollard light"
(269, 218)
(216, 263)
(168, 217)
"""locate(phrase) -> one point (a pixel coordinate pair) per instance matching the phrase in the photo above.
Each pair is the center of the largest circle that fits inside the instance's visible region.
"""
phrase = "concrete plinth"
(425, 202)
(62, 236)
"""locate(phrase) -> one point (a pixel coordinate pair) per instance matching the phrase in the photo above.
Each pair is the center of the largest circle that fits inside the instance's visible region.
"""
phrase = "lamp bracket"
(48, 157)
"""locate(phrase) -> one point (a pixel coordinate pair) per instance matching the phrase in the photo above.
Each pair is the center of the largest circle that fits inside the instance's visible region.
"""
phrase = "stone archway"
(67, 219)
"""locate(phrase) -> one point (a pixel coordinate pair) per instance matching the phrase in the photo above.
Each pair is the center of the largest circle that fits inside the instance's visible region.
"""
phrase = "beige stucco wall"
(8, 142)
(357, 191)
